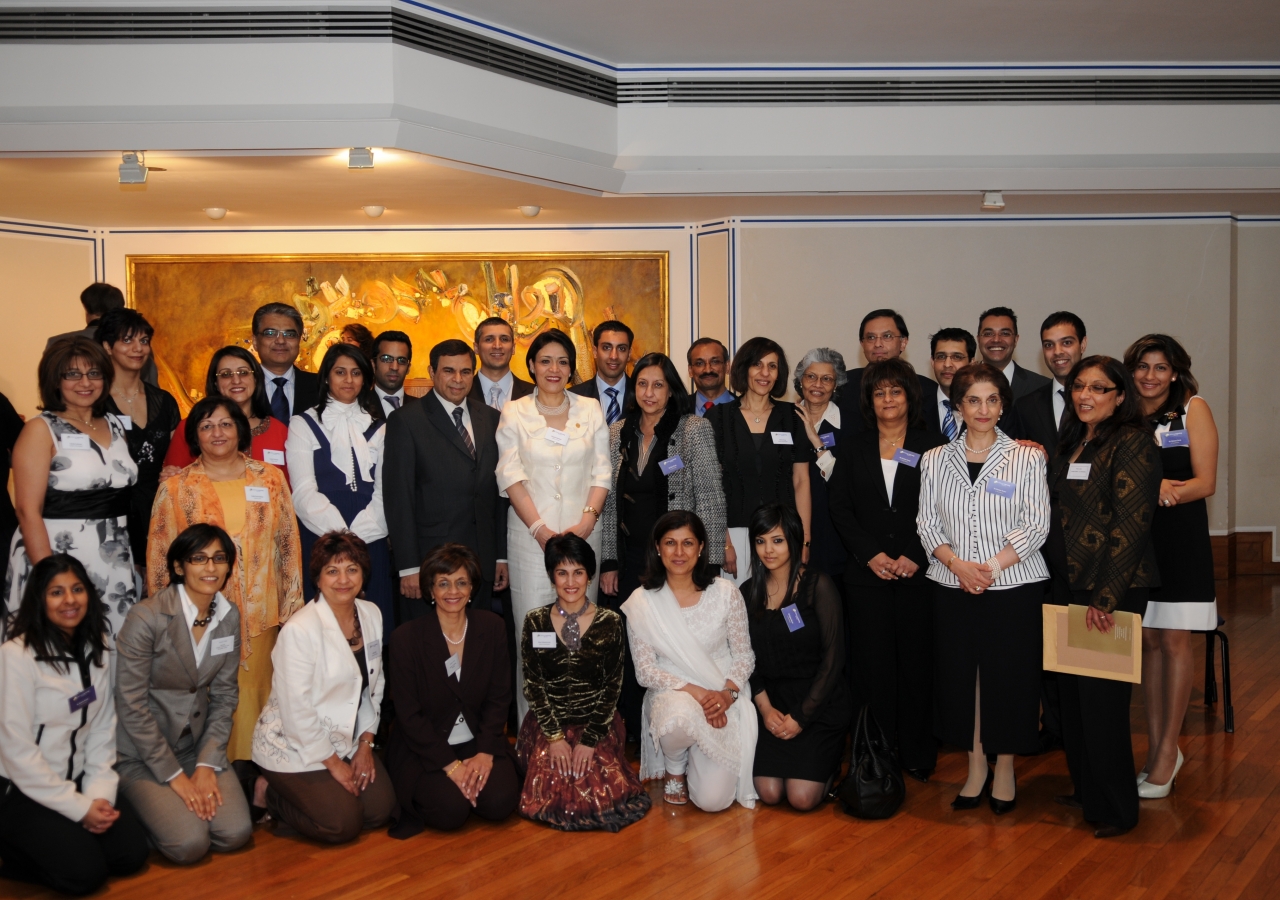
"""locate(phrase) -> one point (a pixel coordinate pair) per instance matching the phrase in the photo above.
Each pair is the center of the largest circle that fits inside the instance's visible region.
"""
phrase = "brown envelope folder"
(1069, 647)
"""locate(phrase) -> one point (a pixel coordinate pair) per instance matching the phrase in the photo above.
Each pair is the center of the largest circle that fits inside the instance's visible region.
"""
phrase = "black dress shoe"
(1107, 831)
(1049, 742)
(1070, 801)
(962, 802)
(920, 775)
(1000, 807)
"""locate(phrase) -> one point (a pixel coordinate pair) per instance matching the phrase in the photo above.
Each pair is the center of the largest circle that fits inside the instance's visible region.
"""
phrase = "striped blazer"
(976, 522)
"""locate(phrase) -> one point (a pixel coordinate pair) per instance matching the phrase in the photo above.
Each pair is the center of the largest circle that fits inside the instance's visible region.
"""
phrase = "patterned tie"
(394, 401)
(614, 411)
(279, 401)
(1062, 392)
(495, 397)
(949, 422)
(462, 430)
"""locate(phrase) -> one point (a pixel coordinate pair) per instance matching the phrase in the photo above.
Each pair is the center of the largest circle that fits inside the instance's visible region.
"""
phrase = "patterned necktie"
(495, 397)
(462, 430)
(614, 412)
(1062, 392)
(949, 422)
(394, 401)
(279, 401)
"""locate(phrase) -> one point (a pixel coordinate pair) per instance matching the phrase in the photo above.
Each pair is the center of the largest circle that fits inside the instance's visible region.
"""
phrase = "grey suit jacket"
(160, 692)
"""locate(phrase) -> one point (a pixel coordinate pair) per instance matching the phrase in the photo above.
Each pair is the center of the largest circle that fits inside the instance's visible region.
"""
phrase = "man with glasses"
(277, 337)
(708, 361)
(998, 338)
(392, 354)
(1063, 341)
(495, 383)
(883, 335)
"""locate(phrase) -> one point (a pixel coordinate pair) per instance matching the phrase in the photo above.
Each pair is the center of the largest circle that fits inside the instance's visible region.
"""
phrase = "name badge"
(544, 640)
(373, 651)
(556, 436)
(828, 439)
(1001, 488)
(1079, 471)
(275, 457)
(127, 422)
(1178, 438)
(373, 455)
(907, 458)
(672, 464)
(221, 646)
(793, 618)
(74, 442)
(452, 666)
(782, 437)
(83, 699)
(257, 494)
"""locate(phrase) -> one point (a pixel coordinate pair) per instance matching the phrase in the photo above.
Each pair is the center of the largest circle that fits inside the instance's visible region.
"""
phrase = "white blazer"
(560, 477)
(41, 739)
(316, 691)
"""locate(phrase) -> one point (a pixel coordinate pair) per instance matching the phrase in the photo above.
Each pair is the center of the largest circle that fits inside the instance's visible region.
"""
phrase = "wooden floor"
(1216, 836)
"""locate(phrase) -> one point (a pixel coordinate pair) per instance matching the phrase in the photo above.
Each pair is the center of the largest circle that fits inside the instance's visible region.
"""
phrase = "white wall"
(1256, 498)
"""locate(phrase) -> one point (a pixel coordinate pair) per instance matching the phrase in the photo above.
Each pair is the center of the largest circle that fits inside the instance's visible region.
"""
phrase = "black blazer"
(746, 486)
(866, 518)
(428, 700)
(1035, 411)
(1025, 381)
(437, 493)
(306, 390)
(850, 402)
(588, 388)
(519, 388)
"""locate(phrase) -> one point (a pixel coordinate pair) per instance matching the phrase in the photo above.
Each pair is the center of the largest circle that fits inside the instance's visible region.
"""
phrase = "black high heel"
(962, 802)
(1000, 807)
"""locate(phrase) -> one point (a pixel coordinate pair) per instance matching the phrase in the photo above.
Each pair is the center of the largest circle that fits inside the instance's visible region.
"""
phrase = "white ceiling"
(637, 32)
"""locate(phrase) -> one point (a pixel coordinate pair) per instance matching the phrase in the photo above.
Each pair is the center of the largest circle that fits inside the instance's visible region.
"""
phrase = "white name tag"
(782, 437)
(373, 455)
(1079, 471)
(257, 494)
(221, 646)
(275, 457)
(373, 651)
(556, 436)
(127, 422)
(544, 640)
(74, 442)
(452, 666)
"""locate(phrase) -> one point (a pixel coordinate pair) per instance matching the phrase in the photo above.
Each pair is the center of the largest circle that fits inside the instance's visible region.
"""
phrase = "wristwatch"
(733, 694)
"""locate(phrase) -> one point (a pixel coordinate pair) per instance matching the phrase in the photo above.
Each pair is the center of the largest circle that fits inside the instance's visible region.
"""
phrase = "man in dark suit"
(997, 339)
(277, 338)
(392, 354)
(884, 335)
(495, 383)
(98, 299)
(1063, 341)
(611, 386)
(950, 350)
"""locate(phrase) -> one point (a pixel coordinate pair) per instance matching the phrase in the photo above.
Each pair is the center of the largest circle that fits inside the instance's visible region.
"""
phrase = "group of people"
(264, 609)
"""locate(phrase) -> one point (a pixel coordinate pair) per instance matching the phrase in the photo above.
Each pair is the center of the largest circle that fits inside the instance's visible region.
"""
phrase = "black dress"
(756, 468)
(803, 673)
(147, 447)
(10, 427)
(826, 551)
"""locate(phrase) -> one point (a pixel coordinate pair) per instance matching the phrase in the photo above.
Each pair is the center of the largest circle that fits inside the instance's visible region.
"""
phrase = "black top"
(363, 663)
(755, 469)
(10, 427)
(826, 553)
(147, 447)
(642, 497)
(975, 469)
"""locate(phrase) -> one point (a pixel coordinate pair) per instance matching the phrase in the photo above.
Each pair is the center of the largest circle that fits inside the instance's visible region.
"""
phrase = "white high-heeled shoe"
(1142, 776)
(1149, 791)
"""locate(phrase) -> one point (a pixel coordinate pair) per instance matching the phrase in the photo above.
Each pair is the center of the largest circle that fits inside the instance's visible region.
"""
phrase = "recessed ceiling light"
(529, 211)
(360, 158)
(993, 200)
(215, 212)
(373, 211)
(132, 167)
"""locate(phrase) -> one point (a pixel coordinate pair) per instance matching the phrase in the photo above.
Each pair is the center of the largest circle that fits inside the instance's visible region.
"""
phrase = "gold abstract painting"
(200, 303)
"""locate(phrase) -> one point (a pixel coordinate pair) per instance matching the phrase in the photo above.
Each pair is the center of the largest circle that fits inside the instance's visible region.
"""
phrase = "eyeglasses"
(950, 357)
(271, 334)
(887, 338)
(238, 373)
(1079, 388)
(387, 359)
(199, 559)
(815, 378)
(76, 375)
(978, 402)
(207, 427)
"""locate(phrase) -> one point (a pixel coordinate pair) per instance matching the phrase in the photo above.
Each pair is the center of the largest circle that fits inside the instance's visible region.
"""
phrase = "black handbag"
(874, 788)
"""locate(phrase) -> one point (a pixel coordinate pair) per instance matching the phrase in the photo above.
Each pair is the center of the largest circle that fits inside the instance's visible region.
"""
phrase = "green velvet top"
(566, 689)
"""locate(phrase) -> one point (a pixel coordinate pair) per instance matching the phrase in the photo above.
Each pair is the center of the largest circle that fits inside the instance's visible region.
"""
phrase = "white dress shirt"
(190, 612)
(290, 379)
(344, 425)
(504, 386)
(387, 408)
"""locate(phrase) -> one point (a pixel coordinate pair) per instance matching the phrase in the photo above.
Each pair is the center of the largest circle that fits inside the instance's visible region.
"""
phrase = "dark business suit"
(428, 702)
(891, 621)
(306, 389)
(1025, 381)
(850, 400)
(1035, 410)
(589, 388)
(519, 388)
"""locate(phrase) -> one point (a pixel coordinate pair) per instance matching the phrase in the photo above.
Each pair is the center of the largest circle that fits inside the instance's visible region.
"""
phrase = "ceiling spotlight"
(529, 211)
(132, 168)
(360, 158)
(373, 211)
(993, 200)
(215, 212)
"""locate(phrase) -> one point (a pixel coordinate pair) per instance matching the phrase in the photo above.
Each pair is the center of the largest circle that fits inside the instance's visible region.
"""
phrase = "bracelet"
(370, 743)
(950, 560)
(591, 509)
(556, 736)
(994, 565)
(533, 529)
(453, 768)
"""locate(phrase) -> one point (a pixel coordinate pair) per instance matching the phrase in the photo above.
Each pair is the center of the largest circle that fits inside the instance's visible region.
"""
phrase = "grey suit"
(173, 716)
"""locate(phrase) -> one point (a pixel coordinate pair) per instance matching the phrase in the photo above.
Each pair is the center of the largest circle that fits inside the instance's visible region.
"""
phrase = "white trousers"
(712, 787)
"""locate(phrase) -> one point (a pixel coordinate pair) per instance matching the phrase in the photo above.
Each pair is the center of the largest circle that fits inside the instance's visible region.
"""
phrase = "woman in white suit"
(553, 464)
(314, 739)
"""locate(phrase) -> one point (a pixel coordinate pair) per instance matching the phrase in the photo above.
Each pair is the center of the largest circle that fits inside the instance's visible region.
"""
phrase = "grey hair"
(826, 355)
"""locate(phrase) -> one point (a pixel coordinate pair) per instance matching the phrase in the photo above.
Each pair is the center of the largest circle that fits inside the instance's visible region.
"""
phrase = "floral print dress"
(86, 514)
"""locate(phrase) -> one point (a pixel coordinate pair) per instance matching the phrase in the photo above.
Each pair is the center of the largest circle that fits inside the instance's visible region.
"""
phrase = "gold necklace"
(889, 442)
(89, 423)
(767, 410)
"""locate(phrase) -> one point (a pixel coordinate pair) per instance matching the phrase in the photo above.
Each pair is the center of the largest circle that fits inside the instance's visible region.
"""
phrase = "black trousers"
(437, 803)
(44, 847)
(1095, 724)
(631, 699)
(892, 627)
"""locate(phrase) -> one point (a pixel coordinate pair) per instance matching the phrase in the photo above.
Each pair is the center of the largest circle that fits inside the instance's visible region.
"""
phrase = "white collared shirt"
(504, 386)
(1059, 402)
(191, 613)
(290, 380)
(387, 408)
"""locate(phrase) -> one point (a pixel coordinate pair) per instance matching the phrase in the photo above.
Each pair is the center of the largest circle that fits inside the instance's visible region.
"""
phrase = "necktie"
(614, 412)
(280, 402)
(1062, 392)
(706, 407)
(462, 430)
(495, 397)
(394, 401)
(949, 422)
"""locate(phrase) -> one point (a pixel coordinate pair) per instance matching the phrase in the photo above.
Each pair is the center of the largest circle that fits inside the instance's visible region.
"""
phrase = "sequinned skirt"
(608, 798)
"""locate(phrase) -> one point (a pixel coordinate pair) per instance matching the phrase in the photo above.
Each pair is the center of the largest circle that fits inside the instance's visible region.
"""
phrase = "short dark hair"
(1184, 387)
(121, 324)
(763, 520)
(999, 312)
(259, 405)
(688, 356)
(205, 408)
(277, 309)
(679, 398)
(612, 325)
(362, 336)
(953, 334)
(751, 353)
(339, 545)
(551, 336)
(452, 347)
(57, 359)
(1129, 412)
(197, 537)
(447, 559)
(570, 548)
(1062, 317)
(493, 320)
(366, 399)
(392, 337)
(100, 298)
(894, 373)
(31, 621)
(981, 373)
(655, 573)
(898, 322)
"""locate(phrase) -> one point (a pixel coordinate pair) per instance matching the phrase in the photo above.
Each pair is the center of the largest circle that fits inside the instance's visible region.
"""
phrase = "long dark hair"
(259, 405)
(1129, 412)
(367, 399)
(655, 573)
(675, 384)
(763, 520)
(677, 406)
(1182, 388)
(31, 621)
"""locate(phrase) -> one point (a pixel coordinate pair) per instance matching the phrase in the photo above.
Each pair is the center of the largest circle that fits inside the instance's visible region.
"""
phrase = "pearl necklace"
(550, 410)
(465, 626)
(965, 441)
